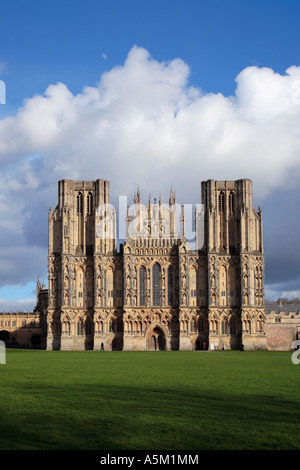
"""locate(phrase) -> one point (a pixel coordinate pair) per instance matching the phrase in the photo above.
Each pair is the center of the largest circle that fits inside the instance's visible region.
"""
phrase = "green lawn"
(149, 400)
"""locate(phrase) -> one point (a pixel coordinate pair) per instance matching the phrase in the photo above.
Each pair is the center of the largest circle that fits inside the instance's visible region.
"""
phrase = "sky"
(155, 94)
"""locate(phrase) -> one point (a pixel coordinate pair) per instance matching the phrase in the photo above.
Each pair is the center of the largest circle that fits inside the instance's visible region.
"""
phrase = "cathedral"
(155, 290)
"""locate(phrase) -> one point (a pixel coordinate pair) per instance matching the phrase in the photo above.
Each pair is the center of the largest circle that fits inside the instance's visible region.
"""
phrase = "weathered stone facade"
(156, 291)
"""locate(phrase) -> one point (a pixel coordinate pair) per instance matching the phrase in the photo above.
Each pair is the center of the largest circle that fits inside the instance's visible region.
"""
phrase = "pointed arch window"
(221, 201)
(156, 286)
(80, 327)
(79, 203)
(170, 285)
(224, 327)
(143, 281)
(89, 203)
(231, 202)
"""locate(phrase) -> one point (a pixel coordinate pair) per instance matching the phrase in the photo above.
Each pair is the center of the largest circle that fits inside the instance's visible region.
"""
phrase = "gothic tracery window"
(221, 201)
(156, 284)
(231, 202)
(79, 203)
(89, 203)
(109, 287)
(192, 284)
(143, 286)
(170, 285)
(80, 327)
(224, 327)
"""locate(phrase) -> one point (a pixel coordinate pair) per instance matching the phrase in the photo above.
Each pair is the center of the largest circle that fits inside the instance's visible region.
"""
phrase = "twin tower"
(158, 291)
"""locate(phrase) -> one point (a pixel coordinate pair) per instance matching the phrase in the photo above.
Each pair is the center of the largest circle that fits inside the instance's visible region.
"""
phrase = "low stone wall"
(280, 337)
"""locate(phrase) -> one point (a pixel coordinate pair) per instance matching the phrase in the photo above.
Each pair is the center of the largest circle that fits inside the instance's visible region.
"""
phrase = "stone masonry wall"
(280, 337)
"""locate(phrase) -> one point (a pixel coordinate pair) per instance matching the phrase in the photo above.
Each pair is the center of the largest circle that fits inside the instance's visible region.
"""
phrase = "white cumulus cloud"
(144, 124)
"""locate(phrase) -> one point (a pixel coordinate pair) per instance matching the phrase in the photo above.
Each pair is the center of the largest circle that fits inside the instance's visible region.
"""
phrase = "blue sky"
(43, 42)
(232, 58)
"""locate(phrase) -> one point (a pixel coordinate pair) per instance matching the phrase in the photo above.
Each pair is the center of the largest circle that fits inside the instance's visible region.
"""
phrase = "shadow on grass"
(101, 417)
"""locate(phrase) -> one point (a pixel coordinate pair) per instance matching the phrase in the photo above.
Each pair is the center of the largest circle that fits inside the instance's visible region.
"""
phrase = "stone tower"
(234, 249)
(73, 258)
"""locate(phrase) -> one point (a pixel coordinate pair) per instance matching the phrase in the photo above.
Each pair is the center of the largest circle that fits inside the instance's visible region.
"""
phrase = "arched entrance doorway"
(201, 343)
(156, 340)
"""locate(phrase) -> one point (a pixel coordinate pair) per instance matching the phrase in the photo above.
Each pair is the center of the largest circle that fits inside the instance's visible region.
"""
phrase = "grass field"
(149, 400)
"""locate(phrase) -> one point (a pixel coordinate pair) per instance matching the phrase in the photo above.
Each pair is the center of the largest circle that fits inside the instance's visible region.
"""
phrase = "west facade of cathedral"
(157, 291)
